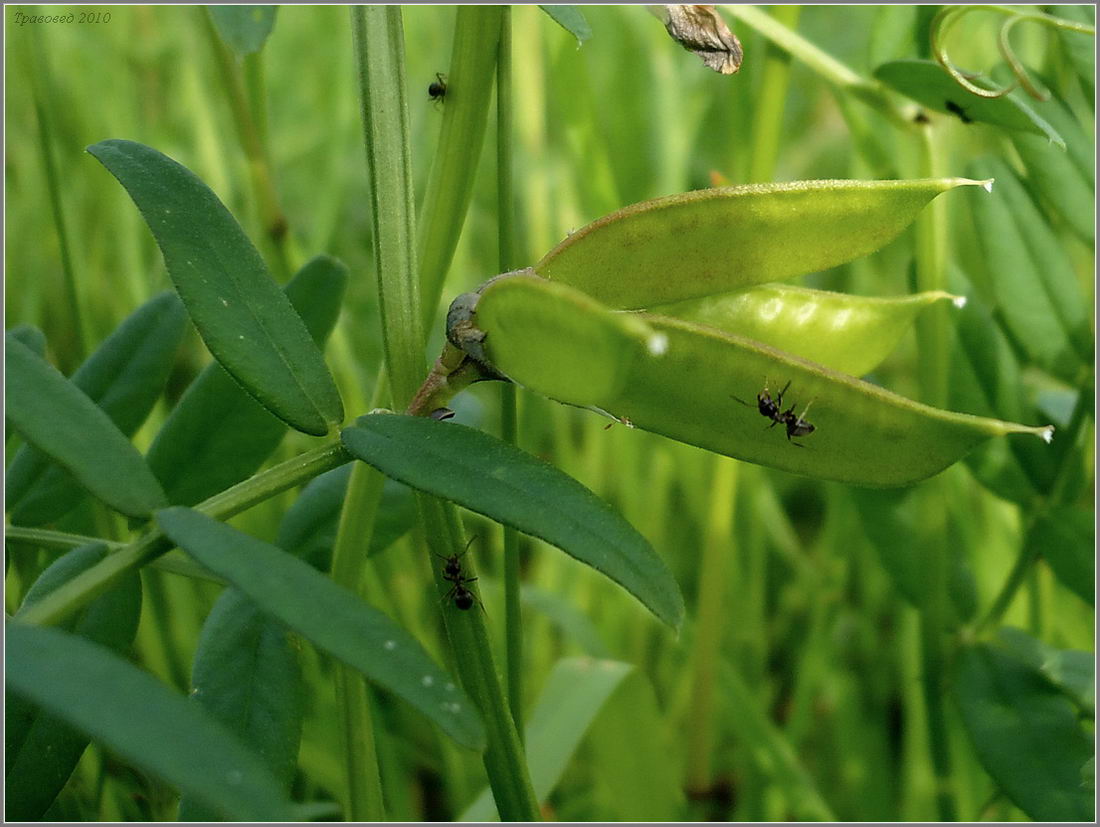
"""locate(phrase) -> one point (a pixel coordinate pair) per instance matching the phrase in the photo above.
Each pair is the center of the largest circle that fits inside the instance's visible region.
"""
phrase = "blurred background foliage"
(794, 689)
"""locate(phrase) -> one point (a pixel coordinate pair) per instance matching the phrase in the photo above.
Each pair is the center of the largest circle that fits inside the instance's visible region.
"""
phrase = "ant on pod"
(452, 573)
(773, 409)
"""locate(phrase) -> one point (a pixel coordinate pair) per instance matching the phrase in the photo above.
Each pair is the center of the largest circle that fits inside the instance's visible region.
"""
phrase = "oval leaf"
(42, 750)
(850, 334)
(863, 433)
(1066, 538)
(246, 321)
(1026, 733)
(136, 716)
(491, 477)
(929, 84)
(347, 628)
(124, 377)
(570, 19)
(718, 240)
(62, 422)
(246, 675)
(218, 435)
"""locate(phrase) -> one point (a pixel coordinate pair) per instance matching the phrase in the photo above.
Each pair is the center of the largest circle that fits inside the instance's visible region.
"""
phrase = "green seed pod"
(850, 334)
(718, 240)
(680, 379)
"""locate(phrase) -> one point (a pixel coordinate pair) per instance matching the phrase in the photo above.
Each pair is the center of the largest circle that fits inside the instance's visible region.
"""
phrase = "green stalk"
(41, 91)
(251, 135)
(932, 337)
(828, 67)
(465, 114)
(712, 619)
(91, 583)
(513, 619)
(1028, 555)
(767, 126)
(380, 53)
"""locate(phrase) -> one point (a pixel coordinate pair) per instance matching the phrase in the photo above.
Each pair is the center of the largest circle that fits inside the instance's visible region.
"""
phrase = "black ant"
(452, 573)
(958, 111)
(437, 91)
(773, 409)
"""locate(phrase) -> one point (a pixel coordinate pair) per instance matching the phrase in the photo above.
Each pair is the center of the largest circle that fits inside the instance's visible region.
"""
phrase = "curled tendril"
(946, 19)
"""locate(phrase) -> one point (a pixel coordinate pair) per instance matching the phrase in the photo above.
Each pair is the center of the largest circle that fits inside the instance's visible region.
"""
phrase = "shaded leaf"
(491, 477)
(718, 240)
(124, 377)
(308, 529)
(571, 19)
(929, 84)
(246, 321)
(1080, 48)
(850, 334)
(1065, 537)
(41, 749)
(347, 628)
(1029, 275)
(574, 693)
(33, 338)
(1072, 671)
(136, 716)
(61, 421)
(1025, 732)
(218, 435)
(245, 29)
(246, 675)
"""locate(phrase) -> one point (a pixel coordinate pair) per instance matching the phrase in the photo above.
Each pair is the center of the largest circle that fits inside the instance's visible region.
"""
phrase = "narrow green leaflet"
(571, 699)
(491, 477)
(570, 19)
(1066, 539)
(218, 435)
(334, 619)
(246, 321)
(929, 84)
(140, 719)
(124, 377)
(245, 29)
(1026, 733)
(719, 240)
(1080, 48)
(1072, 671)
(985, 381)
(850, 334)
(41, 749)
(246, 674)
(1030, 277)
(1065, 179)
(61, 421)
(684, 382)
(308, 529)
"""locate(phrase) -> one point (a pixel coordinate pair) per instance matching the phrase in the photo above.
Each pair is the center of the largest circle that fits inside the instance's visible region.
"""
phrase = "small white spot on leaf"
(389, 645)
(427, 680)
(658, 344)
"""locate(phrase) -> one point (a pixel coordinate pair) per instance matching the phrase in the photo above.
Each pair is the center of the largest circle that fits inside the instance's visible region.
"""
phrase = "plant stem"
(717, 546)
(465, 115)
(92, 582)
(1028, 553)
(380, 51)
(513, 618)
(40, 88)
(827, 66)
(251, 135)
(767, 126)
